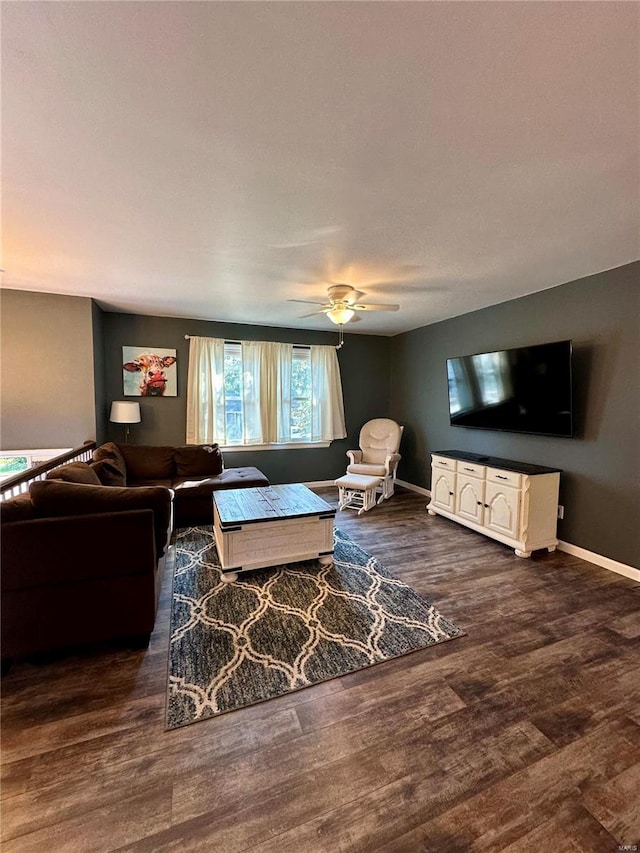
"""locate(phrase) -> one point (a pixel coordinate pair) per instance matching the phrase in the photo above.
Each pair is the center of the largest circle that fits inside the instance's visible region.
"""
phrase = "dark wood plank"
(522, 735)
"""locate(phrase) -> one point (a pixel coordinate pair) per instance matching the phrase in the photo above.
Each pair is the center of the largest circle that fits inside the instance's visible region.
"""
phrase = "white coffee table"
(255, 528)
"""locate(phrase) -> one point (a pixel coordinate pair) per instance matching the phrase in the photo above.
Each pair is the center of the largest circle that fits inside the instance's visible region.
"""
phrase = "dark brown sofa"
(83, 553)
(81, 564)
(193, 472)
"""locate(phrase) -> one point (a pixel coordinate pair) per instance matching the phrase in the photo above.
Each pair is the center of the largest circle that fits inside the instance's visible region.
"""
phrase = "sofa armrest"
(71, 549)
(355, 456)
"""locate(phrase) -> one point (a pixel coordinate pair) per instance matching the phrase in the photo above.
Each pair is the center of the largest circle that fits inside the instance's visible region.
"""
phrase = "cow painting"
(155, 372)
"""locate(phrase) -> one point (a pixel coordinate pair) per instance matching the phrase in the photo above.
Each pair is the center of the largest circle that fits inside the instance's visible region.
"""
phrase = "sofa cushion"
(56, 498)
(75, 472)
(108, 472)
(147, 462)
(232, 478)
(200, 488)
(198, 460)
(19, 508)
(109, 453)
(166, 482)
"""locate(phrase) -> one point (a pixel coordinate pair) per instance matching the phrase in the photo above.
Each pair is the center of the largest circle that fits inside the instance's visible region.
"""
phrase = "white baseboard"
(320, 484)
(412, 488)
(599, 560)
(575, 551)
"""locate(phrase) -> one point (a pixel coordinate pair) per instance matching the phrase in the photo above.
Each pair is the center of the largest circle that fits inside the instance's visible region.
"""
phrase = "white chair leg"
(387, 487)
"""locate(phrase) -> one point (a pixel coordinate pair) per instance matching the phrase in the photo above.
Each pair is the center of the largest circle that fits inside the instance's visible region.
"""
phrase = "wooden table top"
(243, 506)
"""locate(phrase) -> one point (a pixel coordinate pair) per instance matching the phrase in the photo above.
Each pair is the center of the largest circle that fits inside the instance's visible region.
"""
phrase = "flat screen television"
(527, 389)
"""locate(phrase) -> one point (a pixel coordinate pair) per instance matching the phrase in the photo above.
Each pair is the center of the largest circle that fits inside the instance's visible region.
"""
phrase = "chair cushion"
(75, 472)
(357, 481)
(109, 453)
(148, 462)
(198, 460)
(368, 470)
(56, 498)
(378, 439)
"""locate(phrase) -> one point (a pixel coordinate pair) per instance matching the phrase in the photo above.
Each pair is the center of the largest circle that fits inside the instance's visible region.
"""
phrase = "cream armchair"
(378, 455)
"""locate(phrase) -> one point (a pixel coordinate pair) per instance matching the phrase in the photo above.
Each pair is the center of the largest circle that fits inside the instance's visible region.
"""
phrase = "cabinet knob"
(486, 506)
(479, 503)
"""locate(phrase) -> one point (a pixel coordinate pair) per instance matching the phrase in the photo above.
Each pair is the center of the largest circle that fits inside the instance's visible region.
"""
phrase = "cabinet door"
(502, 509)
(442, 488)
(470, 498)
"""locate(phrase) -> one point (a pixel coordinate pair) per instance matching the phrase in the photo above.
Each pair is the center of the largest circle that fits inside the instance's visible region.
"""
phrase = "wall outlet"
(560, 511)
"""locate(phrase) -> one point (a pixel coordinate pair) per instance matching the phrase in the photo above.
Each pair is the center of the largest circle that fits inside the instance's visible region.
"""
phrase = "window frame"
(234, 348)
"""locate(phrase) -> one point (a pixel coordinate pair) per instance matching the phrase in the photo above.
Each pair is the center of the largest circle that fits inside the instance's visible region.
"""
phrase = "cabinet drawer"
(443, 462)
(472, 469)
(507, 478)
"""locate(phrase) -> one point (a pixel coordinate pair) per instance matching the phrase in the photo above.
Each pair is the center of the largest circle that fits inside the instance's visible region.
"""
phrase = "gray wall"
(601, 471)
(364, 366)
(48, 397)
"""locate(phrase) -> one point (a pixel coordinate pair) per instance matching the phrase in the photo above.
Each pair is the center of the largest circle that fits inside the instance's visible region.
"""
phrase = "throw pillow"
(108, 472)
(109, 452)
(75, 472)
(199, 460)
(56, 498)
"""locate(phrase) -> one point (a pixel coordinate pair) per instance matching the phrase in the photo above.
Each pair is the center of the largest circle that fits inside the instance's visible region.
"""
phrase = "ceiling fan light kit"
(343, 304)
(340, 314)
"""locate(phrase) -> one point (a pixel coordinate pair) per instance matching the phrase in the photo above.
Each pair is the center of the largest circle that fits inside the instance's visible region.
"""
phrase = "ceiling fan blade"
(307, 301)
(359, 307)
(313, 314)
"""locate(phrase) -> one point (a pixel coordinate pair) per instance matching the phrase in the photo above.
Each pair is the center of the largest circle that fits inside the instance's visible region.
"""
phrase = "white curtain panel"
(252, 392)
(266, 379)
(327, 413)
(266, 393)
(205, 391)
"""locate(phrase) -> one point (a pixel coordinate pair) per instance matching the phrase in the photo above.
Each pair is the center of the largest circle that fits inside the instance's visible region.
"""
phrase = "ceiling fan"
(342, 305)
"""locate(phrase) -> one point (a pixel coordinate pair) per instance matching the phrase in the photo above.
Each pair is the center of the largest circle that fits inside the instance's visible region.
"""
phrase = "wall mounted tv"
(527, 389)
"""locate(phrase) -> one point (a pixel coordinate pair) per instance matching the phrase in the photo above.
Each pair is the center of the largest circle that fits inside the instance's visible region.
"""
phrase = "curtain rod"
(296, 346)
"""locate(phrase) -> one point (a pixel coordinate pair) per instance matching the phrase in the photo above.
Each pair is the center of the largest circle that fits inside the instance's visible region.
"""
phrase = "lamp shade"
(340, 315)
(125, 412)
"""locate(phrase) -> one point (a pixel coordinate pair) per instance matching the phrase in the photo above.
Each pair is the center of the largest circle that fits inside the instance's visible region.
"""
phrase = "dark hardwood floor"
(524, 735)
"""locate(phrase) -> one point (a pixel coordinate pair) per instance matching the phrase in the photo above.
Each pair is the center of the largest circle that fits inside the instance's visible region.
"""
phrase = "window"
(14, 462)
(255, 393)
(10, 465)
(301, 395)
(234, 421)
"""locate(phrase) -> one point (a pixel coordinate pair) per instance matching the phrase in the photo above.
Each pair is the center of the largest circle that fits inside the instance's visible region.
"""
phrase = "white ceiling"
(213, 160)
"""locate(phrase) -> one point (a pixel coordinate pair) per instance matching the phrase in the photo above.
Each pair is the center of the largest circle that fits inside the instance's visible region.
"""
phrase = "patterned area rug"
(280, 629)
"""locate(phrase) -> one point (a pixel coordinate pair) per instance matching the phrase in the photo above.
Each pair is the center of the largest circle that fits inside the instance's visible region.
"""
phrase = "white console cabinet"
(513, 502)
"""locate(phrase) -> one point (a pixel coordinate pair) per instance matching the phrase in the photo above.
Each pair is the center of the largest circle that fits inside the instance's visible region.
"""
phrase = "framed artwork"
(149, 372)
